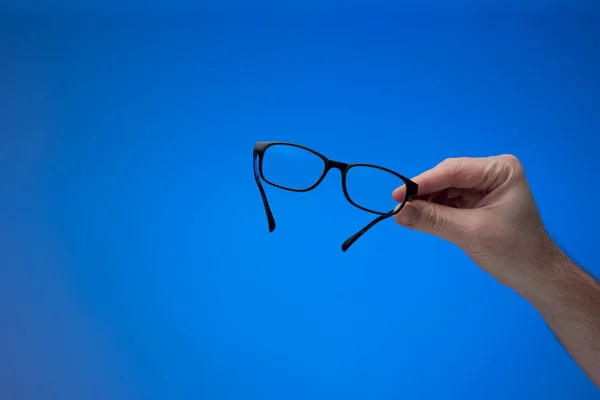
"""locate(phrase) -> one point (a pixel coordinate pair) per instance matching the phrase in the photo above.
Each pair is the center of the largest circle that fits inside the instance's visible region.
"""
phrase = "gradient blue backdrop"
(135, 260)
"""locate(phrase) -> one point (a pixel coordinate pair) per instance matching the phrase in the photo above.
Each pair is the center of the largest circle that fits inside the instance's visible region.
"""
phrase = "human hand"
(485, 207)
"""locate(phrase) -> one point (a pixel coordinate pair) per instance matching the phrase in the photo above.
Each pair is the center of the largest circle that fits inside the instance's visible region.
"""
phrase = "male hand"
(484, 206)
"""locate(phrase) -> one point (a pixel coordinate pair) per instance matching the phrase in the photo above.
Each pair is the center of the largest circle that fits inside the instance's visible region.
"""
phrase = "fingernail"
(408, 215)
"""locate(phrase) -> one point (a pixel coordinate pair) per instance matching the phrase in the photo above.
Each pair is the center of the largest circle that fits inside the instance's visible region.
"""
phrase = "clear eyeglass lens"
(292, 167)
(372, 188)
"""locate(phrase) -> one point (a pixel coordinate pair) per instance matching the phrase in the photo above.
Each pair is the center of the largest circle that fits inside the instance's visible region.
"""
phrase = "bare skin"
(485, 207)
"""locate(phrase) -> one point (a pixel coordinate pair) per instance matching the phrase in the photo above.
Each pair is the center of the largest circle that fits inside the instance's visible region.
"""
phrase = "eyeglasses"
(299, 169)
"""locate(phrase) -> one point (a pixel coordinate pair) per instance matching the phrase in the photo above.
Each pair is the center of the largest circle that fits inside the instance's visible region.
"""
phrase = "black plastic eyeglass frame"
(258, 155)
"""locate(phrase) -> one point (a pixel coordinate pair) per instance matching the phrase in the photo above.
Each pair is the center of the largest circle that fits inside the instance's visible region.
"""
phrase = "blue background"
(135, 260)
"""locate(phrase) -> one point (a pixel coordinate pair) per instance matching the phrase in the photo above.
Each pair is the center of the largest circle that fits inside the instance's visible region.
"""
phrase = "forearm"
(569, 301)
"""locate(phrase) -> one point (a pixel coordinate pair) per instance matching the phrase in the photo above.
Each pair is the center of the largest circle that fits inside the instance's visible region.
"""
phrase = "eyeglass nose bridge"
(332, 164)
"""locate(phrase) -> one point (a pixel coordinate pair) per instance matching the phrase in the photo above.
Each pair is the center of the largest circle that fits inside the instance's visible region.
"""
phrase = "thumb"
(442, 221)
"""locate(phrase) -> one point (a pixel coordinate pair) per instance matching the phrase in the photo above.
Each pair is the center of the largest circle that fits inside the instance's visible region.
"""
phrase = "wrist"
(552, 276)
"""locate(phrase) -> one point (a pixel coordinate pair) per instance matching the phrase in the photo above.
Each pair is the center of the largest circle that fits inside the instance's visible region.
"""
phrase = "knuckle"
(452, 167)
(460, 170)
(450, 162)
(510, 159)
(512, 163)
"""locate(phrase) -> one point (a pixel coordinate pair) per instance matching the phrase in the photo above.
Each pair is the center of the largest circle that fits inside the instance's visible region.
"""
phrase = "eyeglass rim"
(396, 209)
(314, 185)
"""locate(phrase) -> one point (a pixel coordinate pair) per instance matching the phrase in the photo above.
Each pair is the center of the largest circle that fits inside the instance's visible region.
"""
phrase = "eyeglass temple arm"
(350, 241)
(346, 245)
(268, 211)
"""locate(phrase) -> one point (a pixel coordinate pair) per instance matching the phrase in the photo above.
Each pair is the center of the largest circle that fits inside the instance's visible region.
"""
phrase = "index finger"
(461, 173)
